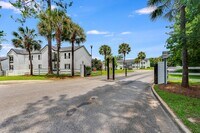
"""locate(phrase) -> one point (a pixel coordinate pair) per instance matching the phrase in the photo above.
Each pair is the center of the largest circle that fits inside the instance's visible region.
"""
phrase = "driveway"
(84, 105)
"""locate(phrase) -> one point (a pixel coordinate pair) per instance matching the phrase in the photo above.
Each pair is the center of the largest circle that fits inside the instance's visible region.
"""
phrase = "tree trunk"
(31, 63)
(1, 69)
(185, 81)
(124, 61)
(58, 60)
(50, 67)
(72, 59)
(105, 62)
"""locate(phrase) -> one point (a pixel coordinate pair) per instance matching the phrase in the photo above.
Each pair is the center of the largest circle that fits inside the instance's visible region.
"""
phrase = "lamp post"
(91, 54)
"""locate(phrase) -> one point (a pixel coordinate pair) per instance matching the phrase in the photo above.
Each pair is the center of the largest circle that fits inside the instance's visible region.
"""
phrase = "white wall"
(81, 55)
(21, 62)
(5, 64)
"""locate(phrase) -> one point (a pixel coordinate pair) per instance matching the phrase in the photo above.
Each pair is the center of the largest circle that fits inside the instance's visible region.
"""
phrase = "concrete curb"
(177, 121)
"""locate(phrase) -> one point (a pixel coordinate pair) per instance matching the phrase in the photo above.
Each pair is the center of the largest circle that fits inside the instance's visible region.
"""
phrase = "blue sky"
(110, 22)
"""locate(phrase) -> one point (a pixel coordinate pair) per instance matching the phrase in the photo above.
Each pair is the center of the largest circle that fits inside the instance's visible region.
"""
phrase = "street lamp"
(91, 54)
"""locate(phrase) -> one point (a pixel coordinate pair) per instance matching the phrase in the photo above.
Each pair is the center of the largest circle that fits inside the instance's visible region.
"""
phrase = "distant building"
(132, 65)
(17, 61)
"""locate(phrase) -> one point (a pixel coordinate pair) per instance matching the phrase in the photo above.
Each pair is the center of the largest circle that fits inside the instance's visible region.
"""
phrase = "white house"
(18, 60)
(132, 65)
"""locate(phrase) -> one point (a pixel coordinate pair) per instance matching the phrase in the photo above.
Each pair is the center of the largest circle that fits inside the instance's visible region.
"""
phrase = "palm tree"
(76, 36)
(171, 8)
(141, 56)
(124, 49)
(45, 29)
(106, 51)
(25, 39)
(60, 26)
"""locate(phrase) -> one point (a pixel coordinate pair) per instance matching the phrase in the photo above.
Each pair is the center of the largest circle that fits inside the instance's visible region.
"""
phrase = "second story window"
(65, 55)
(68, 55)
(11, 59)
(39, 57)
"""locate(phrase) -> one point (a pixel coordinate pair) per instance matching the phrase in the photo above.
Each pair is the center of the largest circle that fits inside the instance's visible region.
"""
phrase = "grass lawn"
(184, 107)
(149, 68)
(193, 79)
(4, 78)
(36, 77)
(99, 73)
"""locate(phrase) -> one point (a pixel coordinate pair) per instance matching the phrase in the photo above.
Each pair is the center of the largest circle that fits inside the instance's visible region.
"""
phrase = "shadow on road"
(123, 107)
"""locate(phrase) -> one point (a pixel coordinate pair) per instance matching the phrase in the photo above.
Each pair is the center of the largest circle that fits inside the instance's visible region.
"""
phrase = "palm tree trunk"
(72, 59)
(185, 81)
(50, 67)
(1, 69)
(105, 61)
(58, 60)
(124, 61)
(31, 63)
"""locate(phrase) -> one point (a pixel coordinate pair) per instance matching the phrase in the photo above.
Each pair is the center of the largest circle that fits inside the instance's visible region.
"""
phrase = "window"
(39, 57)
(31, 57)
(67, 57)
(11, 67)
(55, 66)
(30, 66)
(40, 66)
(11, 59)
(67, 66)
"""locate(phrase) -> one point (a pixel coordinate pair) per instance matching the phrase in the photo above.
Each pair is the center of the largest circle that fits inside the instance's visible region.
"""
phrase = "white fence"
(37, 72)
(172, 70)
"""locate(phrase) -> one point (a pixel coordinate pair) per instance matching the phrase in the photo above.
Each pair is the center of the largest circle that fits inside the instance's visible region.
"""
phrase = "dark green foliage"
(154, 61)
(96, 64)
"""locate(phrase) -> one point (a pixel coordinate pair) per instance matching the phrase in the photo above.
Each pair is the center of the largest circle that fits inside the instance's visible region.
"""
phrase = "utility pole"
(91, 55)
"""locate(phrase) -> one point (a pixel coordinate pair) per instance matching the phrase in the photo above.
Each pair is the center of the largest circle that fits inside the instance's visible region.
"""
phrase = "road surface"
(84, 105)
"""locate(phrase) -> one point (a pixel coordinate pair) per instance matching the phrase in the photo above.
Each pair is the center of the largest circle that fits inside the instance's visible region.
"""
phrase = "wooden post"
(113, 66)
(108, 69)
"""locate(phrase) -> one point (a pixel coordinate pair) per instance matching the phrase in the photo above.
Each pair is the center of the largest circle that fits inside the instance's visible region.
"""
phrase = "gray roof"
(66, 49)
(3, 58)
(63, 49)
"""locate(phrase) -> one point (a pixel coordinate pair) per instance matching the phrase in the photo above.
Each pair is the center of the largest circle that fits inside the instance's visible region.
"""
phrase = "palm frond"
(156, 13)
(154, 2)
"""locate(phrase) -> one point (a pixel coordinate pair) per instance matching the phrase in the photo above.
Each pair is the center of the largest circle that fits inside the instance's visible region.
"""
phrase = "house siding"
(21, 61)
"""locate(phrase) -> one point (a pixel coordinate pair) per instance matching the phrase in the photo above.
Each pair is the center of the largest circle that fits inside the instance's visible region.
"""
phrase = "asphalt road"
(84, 105)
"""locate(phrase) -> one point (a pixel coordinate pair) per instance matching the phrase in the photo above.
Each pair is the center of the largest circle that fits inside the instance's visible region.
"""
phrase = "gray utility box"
(162, 72)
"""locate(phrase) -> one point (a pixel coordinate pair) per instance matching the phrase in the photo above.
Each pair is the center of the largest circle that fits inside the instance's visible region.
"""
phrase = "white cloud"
(5, 49)
(126, 33)
(96, 32)
(7, 5)
(146, 10)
